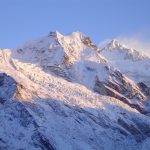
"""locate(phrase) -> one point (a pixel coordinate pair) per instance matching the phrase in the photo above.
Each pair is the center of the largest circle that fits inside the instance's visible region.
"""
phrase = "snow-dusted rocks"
(64, 95)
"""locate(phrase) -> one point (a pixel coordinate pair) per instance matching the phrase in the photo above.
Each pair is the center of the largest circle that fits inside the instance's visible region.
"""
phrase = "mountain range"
(62, 92)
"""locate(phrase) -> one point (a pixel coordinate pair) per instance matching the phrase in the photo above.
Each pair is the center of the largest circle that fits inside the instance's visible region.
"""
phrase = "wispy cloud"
(136, 41)
(103, 43)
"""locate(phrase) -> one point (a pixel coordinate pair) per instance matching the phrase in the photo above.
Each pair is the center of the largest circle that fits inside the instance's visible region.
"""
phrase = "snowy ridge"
(64, 95)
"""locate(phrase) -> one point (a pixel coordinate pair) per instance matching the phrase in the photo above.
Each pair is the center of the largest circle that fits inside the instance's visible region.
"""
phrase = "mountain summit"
(114, 44)
(59, 92)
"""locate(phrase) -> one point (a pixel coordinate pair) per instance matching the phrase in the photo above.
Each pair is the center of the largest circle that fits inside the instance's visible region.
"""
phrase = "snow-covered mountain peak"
(78, 36)
(115, 47)
(70, 56)
(55, 48)
(114, 44)
(135, 64)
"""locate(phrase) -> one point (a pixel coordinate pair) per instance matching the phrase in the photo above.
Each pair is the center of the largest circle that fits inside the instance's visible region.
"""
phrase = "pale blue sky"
(22, 20)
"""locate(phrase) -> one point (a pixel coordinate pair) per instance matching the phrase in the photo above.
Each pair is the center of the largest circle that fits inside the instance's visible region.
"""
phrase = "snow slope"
(58, 92)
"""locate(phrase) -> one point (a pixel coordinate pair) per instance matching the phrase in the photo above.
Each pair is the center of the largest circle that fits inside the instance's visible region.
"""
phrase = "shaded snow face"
(7, 88)
(18, 129)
